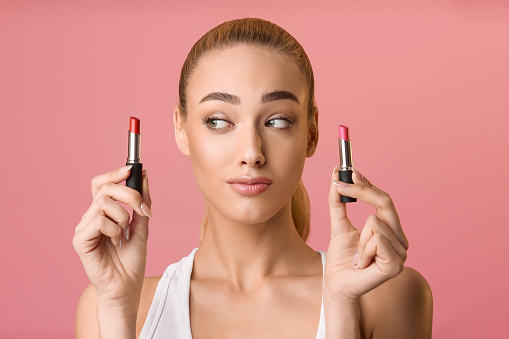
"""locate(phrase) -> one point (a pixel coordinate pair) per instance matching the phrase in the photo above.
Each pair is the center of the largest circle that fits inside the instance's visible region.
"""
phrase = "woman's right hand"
(114, 264)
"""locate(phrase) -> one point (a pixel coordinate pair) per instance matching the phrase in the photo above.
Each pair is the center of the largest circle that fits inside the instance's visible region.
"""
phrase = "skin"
(252, 267)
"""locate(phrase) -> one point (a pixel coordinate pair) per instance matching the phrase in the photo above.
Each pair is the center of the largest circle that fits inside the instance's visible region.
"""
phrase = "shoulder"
(402, 307)
(86, 313)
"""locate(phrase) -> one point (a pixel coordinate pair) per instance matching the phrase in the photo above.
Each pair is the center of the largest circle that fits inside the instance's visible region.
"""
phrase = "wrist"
(342, 317)
(116, 321)
(340, 300)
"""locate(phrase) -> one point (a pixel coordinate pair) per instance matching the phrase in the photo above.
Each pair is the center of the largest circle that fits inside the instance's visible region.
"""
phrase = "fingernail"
(355, 258)
(125, 169)
(120, 243)
(146, 174)
(127, 232)
(146, 210)
(358, 263)
(334, 171)
(358, 174)
(340, 183)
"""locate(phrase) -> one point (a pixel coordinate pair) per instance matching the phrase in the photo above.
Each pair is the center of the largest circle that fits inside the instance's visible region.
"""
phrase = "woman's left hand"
(381, 239)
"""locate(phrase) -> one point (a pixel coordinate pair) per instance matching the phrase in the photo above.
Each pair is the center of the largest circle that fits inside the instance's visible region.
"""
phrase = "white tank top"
(168, 316)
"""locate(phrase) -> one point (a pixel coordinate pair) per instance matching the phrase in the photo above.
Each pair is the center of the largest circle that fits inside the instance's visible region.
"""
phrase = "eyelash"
(208, 119)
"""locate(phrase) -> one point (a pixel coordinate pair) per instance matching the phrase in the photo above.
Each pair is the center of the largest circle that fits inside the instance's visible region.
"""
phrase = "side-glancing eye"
(209, 119)
(289, 121)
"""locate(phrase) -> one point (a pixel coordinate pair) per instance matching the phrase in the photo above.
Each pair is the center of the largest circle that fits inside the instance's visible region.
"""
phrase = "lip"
(247, 189)
(250, 180)
(249, 185)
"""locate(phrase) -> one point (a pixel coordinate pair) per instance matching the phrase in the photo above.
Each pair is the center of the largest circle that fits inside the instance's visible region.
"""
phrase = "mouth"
(249, 189)
(246, 185)
(245, 180)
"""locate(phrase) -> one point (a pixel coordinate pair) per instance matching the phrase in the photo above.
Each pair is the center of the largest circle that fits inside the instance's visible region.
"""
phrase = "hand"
(114, 264)
(381, 239)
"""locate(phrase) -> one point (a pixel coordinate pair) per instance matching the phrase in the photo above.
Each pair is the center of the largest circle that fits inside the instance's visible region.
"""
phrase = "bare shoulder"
(86, 312)
(402, 307)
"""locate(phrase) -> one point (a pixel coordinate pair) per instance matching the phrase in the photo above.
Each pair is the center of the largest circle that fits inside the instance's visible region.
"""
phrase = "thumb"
(338, 215)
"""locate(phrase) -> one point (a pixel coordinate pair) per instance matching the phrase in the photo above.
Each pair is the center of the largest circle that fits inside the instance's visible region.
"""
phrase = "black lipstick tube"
(135, 180)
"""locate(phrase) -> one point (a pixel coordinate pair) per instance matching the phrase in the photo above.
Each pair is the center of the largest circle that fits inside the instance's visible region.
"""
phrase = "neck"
(245, 255)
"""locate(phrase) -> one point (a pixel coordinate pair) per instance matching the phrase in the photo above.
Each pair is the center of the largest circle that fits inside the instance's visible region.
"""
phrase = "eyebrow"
(235, 100)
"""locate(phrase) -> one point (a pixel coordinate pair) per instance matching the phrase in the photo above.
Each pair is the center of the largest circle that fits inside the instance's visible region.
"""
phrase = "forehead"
(247, 71)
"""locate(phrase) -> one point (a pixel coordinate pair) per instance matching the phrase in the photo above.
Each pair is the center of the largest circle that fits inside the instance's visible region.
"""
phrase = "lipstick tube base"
(135, 180)
(346, 176)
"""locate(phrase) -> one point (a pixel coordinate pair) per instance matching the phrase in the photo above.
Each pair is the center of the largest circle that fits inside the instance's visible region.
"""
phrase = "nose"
(251, 148)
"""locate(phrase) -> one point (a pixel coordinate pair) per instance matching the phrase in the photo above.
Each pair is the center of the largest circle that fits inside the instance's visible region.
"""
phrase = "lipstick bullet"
(133, 156)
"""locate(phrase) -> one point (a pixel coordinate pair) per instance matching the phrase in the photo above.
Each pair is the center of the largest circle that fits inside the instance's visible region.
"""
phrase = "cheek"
(209, 157)
(287, 162)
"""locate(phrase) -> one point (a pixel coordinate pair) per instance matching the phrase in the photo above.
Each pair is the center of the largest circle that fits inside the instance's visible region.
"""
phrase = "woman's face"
(245, 135)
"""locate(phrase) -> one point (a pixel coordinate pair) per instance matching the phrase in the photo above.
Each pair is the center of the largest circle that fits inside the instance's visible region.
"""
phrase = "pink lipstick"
(133, 156)
(246, 189)
(249, 185)
(345, 160)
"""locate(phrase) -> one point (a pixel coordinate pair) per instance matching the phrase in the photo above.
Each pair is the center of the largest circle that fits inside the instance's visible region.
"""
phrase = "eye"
(211, 119)
(289, 121)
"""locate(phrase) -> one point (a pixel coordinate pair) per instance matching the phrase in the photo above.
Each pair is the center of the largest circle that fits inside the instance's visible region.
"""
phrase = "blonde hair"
(261, 33)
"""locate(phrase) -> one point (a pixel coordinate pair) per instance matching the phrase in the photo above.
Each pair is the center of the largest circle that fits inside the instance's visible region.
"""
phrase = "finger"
(122, 193)
(141, 220)
(115, 176)
(373, 226)
(359, 178)
(386, 259)
(106, 206)
(364, 190)
(87, 237)
(338, 214)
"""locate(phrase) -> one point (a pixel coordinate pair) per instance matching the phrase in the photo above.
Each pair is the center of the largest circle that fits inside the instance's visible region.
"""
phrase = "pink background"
(423, 87)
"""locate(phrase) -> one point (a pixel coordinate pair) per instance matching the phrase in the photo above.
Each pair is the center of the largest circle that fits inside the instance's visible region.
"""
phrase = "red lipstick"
(133, 156)
(345, 160)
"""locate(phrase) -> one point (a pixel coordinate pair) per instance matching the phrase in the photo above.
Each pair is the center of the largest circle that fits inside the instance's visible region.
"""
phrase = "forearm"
(342, 319)
(116, 322)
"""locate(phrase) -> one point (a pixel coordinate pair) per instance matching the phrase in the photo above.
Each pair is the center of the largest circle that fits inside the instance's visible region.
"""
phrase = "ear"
(312, 133)
(180, 131)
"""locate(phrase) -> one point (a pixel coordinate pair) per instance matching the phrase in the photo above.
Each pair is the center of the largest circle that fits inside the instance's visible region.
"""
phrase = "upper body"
(407, 297)
(247, 112)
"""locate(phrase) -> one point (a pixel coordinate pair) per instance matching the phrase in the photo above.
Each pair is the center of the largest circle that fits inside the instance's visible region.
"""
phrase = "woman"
(247, 109)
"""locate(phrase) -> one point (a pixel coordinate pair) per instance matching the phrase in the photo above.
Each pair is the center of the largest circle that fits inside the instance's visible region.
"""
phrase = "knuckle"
(378, 238)
(94, 183)
(405, 256)
(396, 268)
(126, 219)
(75, 242)
(135, 196)
(406, 244)
(372, 220)
(387, 200)
(102, 198)
(101, 221)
